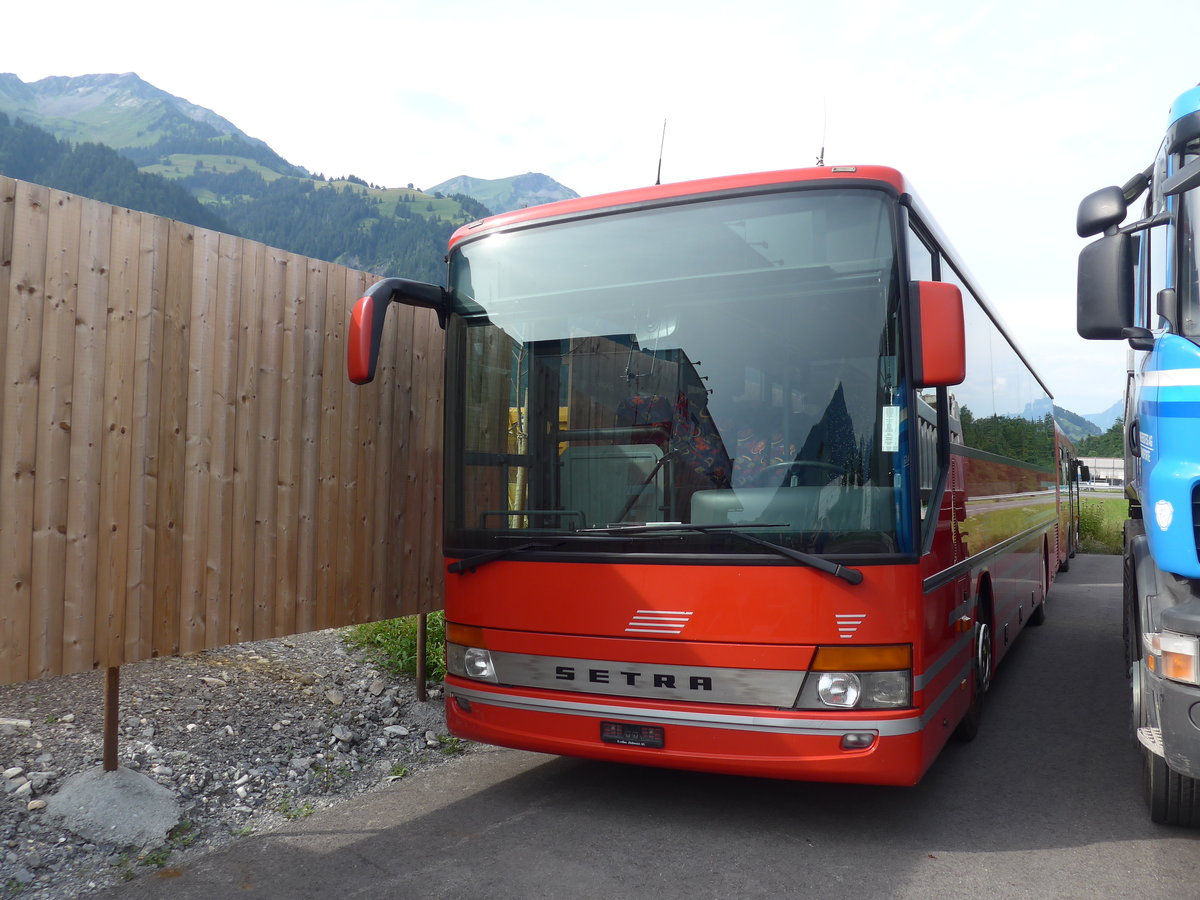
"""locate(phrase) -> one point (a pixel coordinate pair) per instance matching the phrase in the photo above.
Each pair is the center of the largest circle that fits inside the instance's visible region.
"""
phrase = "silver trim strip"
(919, 681)
(766, 724)
(710, 684)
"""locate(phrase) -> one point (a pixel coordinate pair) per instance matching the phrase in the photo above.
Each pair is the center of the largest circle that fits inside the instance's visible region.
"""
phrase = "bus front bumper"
(872, 747)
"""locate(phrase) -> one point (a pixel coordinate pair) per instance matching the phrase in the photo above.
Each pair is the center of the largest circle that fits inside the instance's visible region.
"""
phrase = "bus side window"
(920, 258)
(921, 268)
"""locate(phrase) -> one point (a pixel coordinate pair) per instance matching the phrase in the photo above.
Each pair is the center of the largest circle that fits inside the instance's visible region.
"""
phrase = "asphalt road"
(1046, 802)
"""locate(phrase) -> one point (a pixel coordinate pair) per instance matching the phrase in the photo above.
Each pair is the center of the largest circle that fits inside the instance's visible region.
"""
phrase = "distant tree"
(1111, 444)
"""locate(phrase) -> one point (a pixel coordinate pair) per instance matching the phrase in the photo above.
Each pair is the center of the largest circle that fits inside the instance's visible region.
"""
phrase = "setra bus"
(741, 475)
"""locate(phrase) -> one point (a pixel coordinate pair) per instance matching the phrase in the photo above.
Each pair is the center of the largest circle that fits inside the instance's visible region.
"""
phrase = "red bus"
(728, 484)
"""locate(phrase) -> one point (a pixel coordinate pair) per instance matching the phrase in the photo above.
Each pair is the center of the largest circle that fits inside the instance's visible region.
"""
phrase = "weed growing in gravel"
(451, 745)
(393, 644)
(244, 831)
(156, 857)
(291, 810)
(398, 771)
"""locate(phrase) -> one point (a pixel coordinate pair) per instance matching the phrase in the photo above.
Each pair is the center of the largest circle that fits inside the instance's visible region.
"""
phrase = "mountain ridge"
(120, 139)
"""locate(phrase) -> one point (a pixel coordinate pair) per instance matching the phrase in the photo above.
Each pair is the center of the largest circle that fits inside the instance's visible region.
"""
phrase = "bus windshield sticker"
(891, 429)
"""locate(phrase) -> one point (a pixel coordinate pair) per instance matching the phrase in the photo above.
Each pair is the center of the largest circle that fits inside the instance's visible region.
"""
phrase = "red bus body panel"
(768, 617)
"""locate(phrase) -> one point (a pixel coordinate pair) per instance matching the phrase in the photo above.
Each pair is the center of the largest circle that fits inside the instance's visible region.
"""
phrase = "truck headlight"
(1175, 656)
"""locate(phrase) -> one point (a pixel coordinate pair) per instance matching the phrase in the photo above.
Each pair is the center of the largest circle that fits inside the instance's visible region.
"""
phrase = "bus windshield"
(732, 361)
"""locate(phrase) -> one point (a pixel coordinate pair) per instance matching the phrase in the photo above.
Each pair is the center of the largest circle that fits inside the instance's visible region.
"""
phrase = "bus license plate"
(631, 735)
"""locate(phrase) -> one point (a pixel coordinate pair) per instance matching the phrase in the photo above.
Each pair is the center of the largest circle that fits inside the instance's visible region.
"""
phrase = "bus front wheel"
(981, 673)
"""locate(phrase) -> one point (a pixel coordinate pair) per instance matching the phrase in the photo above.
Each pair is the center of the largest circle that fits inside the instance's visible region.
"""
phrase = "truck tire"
(1173, 799)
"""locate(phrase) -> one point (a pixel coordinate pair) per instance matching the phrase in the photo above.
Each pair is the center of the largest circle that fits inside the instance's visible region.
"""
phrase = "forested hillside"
(1110, 444)
(96, 171)
(229, 184)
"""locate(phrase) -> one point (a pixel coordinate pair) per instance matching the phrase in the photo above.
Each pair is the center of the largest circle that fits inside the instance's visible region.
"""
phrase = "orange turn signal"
(465, 635)
(874, 658)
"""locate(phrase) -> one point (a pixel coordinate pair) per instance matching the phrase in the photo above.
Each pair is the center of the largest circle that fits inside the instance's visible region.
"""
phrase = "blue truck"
(1139, 283)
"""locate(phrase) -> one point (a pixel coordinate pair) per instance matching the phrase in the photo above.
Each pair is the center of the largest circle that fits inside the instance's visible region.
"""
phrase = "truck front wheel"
(1173, 799)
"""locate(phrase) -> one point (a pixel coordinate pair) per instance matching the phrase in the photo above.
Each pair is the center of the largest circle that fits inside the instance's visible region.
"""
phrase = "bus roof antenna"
(661, 144)
(824, 128)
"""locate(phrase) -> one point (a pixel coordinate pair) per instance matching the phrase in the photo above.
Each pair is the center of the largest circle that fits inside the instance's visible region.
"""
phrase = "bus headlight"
(470, 662)
(839, 689)
(876, 677)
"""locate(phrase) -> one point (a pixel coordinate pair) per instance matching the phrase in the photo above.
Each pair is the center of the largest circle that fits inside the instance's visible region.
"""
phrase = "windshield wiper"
(471, 563)
(854, 576)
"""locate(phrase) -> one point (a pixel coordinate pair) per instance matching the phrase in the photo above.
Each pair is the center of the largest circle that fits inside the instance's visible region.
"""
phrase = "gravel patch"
(247, 738)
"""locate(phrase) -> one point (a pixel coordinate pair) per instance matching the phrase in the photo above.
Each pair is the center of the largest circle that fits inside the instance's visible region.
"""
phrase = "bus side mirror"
(939, 346)
(1104, 291)
(367, 318)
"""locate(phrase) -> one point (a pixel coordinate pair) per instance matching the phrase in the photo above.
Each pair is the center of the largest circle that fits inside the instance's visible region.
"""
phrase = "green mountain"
(93, 170)
(1074, 426)
(506, 194)
(117, 110)
(236, 183)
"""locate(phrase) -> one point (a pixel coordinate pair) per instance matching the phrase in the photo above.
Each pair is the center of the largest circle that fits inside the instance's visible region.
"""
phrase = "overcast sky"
(1003, 115)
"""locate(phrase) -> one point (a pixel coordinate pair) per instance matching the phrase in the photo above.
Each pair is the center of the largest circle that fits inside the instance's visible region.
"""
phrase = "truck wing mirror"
(1100, 211)
(367, 318)
(939, 345)
(1104, 292)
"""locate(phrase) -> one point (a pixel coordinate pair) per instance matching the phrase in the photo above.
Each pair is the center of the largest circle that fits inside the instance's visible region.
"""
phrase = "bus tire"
(981, 676)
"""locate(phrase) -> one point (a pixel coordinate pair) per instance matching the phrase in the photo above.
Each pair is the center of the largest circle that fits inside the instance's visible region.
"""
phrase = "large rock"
(122, 807)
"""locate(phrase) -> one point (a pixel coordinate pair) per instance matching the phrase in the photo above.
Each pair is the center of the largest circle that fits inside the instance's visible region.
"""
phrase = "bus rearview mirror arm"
(370, 312)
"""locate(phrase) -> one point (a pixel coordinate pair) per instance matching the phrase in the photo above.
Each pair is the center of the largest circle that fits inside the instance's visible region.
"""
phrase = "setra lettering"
(635, 679)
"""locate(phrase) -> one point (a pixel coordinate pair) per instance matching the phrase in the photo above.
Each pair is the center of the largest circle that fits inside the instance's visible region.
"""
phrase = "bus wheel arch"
(982, 661)
(1037, 615)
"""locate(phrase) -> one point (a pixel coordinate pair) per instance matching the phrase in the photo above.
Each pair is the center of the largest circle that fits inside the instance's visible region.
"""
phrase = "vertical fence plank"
(202, 341)
(87, 430)
(433, 570)
(18, 441)
(308, 575)
(413, 471)
(401, 577)
(222, 426)
(266, 495)
(291, 425)
(245, 444)
(148, 365)
(422, 463)
(115, 450)
(56, 377)
(379, 492)
(358, 454)
(330, 450)
(170, 604)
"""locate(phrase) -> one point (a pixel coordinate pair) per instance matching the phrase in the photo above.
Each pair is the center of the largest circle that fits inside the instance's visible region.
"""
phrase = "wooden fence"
(183, 462)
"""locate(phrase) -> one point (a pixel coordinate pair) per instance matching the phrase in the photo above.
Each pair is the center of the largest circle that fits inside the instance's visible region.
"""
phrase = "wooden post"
(112, 681)
(422, 635)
